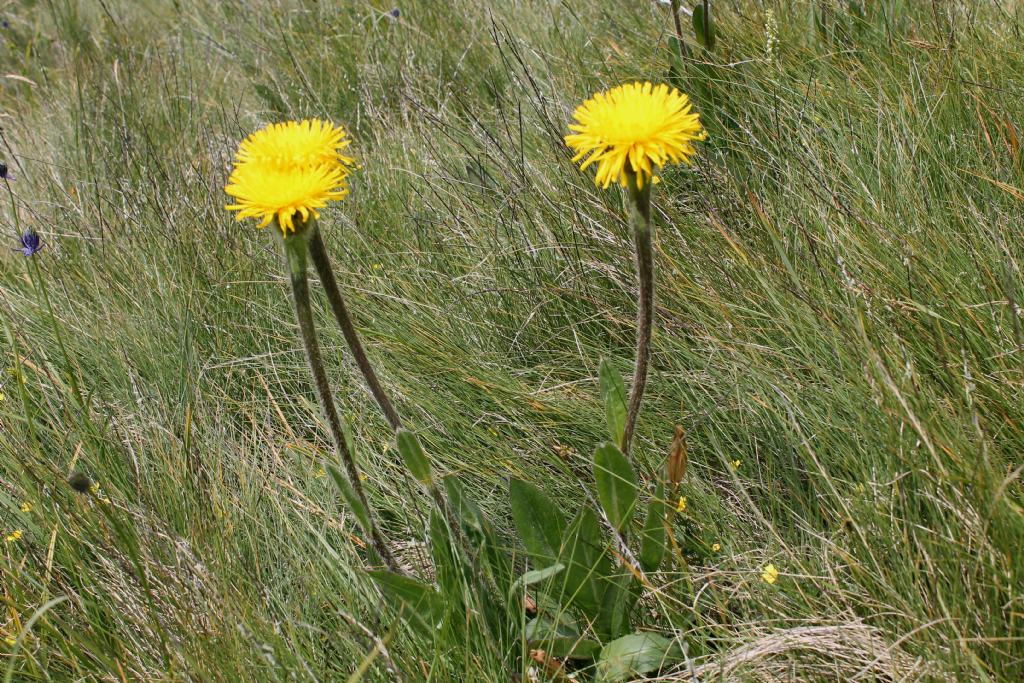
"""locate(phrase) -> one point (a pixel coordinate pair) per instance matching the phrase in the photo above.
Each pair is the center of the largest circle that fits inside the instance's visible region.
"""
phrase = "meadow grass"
(837, 330)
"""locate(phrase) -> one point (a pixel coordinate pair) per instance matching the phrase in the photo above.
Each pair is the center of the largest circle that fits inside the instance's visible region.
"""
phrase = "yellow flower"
(296, 144)
(10, 641)
(14, 536)
(26, 506)
(736, 464)
(269, 192)
(716, 547)
(681, 505)
(770, 574)
(641, 124)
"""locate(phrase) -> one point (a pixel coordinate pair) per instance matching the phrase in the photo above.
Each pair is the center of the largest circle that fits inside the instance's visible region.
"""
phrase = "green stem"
(323, 268)
(295, 250)
(642, 229)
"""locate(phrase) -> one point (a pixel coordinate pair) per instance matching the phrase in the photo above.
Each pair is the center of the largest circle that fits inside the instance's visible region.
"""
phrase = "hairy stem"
(642, 229)
(295, 249)
(323, 268)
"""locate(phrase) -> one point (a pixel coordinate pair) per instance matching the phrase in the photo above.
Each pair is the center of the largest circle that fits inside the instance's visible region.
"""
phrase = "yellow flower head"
(681, 505)
(639, 124)
(715, 547)
(287, 169)
(267, 192)
(296, 144)
(26, 506)
(770, 574)
(14, 536)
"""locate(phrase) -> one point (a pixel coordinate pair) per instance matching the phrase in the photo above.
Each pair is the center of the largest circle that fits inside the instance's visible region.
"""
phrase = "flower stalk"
(295, 246)
(642, 238)
(322, 262)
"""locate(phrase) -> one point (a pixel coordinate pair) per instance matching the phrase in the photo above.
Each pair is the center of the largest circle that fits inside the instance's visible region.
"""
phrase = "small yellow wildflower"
(362, 476)
(14, 536)
(26, 506)
(770, 574)
(10, 641)
(715, 547)
(736, 464)
(94, 488)
(638, 124)
(681, 505)
(377, 266)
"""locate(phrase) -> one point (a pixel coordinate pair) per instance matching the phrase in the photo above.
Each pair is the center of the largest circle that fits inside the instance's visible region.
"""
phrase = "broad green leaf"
(412, 454)
(616, 485)
(587, 565)
(652, 543)
(613, 395)
(349, 494)
(635, 655)
(620, 597)
(540, 524)
(704, 27)
(424, 607)
(559, 640)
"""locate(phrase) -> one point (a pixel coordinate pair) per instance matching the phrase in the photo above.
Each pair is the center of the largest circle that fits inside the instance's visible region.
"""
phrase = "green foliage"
(616, 485)
(704, 25)
(614, 397)
(412, 454)
(653, 543)
(539, 522)
(587, 571)
(635, 655)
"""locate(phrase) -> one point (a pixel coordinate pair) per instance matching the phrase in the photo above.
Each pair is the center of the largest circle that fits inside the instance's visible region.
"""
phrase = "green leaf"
(424, 607)
(616, 485)
(540, 524)
(635, 655)
(559, 640)
(704, 27)
(479, 531)
(537, 575)
(349, 494)
(613, 395)
(652, 542)
(587, 565)
(412, 454)
(620, 597)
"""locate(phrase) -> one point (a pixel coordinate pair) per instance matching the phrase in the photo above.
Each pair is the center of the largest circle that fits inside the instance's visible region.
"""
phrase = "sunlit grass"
(836, 313)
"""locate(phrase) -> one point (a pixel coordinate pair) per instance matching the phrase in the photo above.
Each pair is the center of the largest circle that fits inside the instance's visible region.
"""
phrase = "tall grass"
(838, 311)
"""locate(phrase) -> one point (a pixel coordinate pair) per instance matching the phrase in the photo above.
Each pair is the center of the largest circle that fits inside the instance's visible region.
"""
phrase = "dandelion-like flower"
(268, 192)
(289, 169)
(296, 144)
(681, 505)
(770, 574)
(636, 127)
(14, 536)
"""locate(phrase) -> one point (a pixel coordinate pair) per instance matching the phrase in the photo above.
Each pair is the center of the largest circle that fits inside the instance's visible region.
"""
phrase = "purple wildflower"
(30, 243)
(395, 13)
